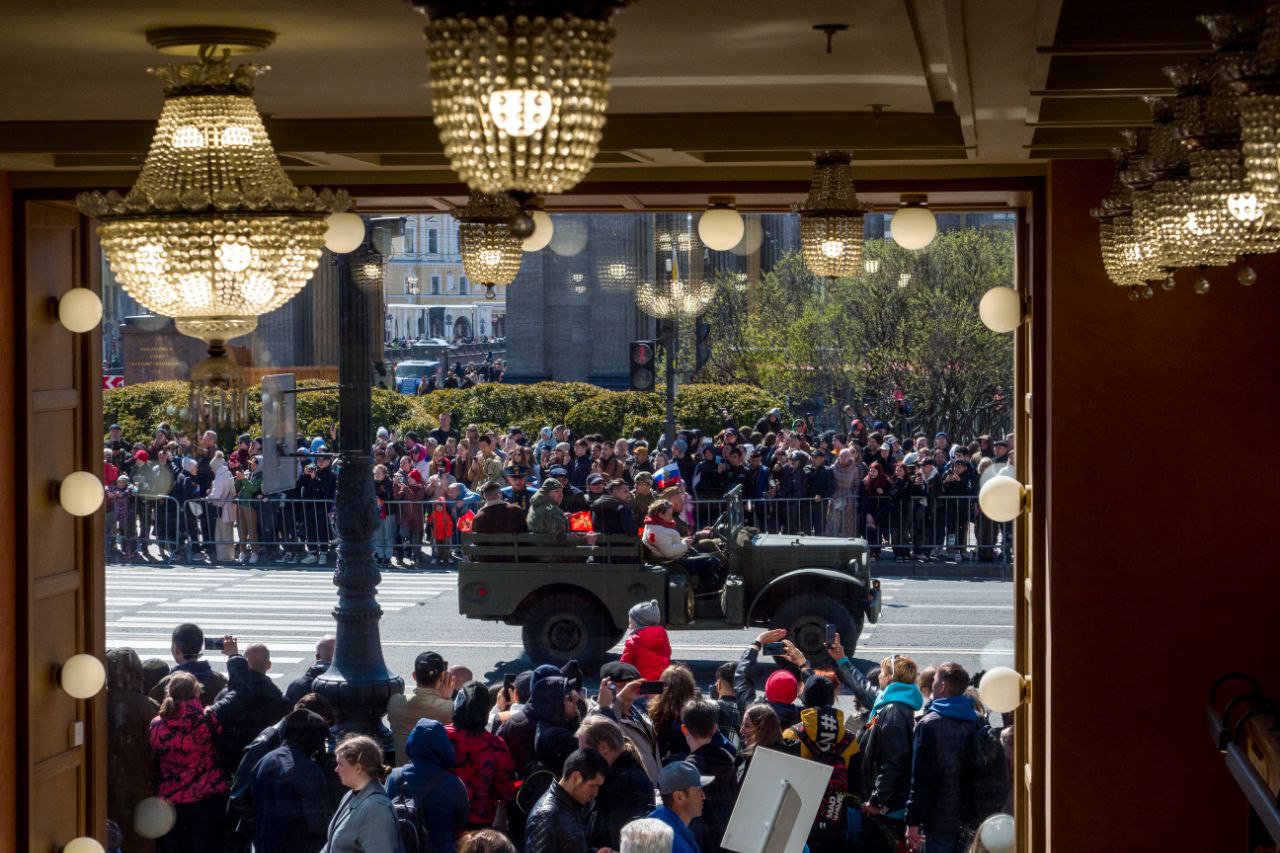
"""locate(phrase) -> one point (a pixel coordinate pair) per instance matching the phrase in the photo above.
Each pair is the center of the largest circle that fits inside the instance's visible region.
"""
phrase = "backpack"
(829, 822)
(414, 837)
(533, 783)
(985, 776)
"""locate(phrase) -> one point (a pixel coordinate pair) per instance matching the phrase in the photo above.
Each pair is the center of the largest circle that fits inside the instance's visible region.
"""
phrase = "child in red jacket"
(648, 648)
(441, 532)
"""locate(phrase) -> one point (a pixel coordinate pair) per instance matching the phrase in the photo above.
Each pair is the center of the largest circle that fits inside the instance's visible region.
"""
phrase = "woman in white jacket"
(665, 542)
(222, 500)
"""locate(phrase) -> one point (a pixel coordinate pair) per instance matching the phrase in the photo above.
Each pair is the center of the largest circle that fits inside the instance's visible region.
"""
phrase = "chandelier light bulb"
(83, 844)
(490, 257)
(234, 257)
(344, 234)
(913, 226)
(258, 289)
(235, 136)
(721, 227)
(188, 137)
(832, 248)
(998, 833)
(154, 817)
(1001, 498)
(491, 253)
(82, 676)
(520, 112)
(80, 493)
(543, 231)
(1000, 309)
(1245, 207)
(1002, 689)
(79, 310)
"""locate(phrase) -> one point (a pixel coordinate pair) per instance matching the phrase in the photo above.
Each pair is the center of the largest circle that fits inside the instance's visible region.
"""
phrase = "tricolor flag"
(668, 476)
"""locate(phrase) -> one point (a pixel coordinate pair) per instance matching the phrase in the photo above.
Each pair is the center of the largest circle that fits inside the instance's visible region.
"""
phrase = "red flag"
(580, 522)
(465, 521)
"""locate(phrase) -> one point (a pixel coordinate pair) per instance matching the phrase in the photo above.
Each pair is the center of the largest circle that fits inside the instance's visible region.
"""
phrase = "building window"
(433, 242)
(462, 285)
(435, 285)
(410, 238)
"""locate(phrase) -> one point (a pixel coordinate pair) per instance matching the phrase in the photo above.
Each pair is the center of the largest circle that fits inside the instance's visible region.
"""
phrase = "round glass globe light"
(998, 833)
(82, 676)
(1001, 689)
(80, 310)
(1000, 309)
(543, 231)
(80, 493)
(345, 233)
(83, 844)
(1001, 499)
(913, 227)
(154, 817)
(721, 228)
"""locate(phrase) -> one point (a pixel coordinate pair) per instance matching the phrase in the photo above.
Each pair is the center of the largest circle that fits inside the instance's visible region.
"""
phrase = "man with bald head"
(301, 685)
(249, 704)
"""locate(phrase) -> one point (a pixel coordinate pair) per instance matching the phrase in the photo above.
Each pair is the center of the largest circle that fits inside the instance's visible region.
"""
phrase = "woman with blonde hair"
(364, 821)
(665, 712)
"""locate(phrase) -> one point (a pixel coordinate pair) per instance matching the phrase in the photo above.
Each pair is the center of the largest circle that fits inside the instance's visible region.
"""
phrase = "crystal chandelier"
(491, 253)
(1258, 100)
(520, 88)
(831, 218)
(678, 298)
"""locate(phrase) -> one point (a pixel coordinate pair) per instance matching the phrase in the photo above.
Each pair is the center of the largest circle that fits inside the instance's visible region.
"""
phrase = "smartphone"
(509, 681)
(831, 634)
(775, 649)
(652, 688)
(213, 644)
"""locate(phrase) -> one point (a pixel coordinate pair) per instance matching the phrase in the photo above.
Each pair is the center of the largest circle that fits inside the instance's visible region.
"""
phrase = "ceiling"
(703, 92)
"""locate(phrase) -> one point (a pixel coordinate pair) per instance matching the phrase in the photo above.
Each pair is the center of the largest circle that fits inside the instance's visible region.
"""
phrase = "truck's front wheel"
(806, 616)
(567, 626)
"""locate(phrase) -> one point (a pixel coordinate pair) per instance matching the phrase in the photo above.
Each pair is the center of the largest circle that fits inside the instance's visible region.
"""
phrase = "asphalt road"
(969, 621)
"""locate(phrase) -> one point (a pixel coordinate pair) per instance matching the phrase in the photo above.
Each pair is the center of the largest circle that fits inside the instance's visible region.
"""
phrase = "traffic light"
(642, 357)
(703, 331)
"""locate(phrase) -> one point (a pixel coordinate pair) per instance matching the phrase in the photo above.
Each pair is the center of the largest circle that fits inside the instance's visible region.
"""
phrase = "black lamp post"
(358, 682)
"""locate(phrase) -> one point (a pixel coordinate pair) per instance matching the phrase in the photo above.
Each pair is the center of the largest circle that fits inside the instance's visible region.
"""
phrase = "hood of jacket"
(955, 707)
(471, 707)
(905, 694)
(546, 700)
(428, 746)
(124, 671)
(824, 726)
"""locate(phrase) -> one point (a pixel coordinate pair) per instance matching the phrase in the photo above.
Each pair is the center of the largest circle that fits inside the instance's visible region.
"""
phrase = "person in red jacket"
(441, 531)
(648, 648)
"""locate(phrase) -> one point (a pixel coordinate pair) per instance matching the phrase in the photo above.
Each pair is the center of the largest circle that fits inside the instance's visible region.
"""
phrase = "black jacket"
(301, 685)
(240, 800)
(291, 795)
(626, 795)
(822, 481)
(708, 482)
(885, 752)
(555, 824)
(719, 760)
(250, 703)
(744, 686)
(610, 515)
(937, 799)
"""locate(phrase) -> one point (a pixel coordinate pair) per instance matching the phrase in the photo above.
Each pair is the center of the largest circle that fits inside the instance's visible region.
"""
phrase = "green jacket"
(545, 517)
(250, 487)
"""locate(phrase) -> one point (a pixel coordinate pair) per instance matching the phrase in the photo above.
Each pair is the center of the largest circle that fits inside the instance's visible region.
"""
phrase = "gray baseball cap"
(681, 776)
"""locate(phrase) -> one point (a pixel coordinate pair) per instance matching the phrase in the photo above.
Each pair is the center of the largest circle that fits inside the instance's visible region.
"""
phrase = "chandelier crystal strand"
(519, 95)
(491, 253)
(1258, 89)
(831, 218)
(213, 233)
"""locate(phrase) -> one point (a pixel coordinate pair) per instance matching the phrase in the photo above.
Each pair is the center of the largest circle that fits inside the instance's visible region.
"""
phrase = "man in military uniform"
(517, 493)
(545, 515)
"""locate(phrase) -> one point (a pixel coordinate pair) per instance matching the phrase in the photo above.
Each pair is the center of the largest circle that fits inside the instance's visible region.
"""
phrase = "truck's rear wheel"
(567, 626)
(806, 616)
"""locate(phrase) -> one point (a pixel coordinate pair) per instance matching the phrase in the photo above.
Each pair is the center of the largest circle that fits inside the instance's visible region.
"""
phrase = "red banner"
(580, 522)
(465, 521)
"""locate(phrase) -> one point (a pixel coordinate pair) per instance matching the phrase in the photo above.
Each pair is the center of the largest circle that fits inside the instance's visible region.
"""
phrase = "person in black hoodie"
(708, 486)
(521, 728)
(555, 707)
(301, 685)
(250, 702)
(627, 792)
(290, 789)
(711, 752)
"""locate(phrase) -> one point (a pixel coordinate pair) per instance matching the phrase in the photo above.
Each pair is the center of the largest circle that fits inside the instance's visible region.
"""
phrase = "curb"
(942, 571)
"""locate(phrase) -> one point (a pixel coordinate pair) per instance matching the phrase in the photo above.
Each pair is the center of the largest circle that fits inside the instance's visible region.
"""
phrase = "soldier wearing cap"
(498, 516)
(642, 495)
(517, 492)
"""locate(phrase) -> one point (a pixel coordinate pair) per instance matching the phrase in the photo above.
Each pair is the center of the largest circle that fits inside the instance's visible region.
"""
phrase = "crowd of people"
(538, 762)
(911, 497)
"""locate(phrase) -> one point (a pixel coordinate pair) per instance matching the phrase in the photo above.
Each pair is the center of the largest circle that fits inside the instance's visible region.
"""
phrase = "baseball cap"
(619, 672)
(681, 776)
(428, 665)
(113, 426)
(595, 478)
(558, 472)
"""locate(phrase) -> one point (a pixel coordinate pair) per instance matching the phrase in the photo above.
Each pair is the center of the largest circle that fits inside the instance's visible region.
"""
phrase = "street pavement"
(969, 621)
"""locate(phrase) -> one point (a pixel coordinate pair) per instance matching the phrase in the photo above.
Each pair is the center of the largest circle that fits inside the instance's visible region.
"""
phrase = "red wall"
(1164, 505)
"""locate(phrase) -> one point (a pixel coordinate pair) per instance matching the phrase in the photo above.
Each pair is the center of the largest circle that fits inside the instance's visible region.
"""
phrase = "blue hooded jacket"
(907, 694)
(441, 797)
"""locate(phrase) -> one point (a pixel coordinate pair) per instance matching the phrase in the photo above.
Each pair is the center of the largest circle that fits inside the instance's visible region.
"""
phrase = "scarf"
(907, 694)
(659, 521)
(955, 707)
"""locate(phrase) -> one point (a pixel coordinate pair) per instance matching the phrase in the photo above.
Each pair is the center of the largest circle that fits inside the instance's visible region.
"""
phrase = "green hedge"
(584, 408)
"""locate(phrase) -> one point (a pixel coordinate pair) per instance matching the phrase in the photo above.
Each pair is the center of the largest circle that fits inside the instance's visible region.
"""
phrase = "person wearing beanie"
(647, 647)
(546, 517)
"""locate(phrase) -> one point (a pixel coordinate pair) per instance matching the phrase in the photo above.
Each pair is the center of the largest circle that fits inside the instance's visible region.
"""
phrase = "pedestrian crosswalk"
(287, 608)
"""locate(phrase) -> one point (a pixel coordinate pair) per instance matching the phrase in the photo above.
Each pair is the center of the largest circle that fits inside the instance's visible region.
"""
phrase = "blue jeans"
(384, 539)
(943, 842)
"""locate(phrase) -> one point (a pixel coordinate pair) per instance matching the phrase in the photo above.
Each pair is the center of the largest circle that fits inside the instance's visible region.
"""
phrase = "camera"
(214, 644)
(775, 649)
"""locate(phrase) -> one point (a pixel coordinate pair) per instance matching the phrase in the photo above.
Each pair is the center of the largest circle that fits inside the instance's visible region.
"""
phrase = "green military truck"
(571, 600)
